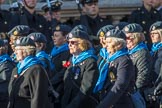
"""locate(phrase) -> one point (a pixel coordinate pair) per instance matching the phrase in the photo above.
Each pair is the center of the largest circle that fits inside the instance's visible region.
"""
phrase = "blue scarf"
(137, 48)
(155, 47)
(104, 71)
(4, 58)
(42, 54)
(82, 56)
(57, 50)
(103, 53)
(27, 62)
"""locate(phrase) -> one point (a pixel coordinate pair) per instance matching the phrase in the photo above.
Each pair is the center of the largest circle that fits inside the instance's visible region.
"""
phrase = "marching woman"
(139, 55)
(60, 54)
(120, 76)
(156, 52)
(82, 73)
(6, 67)
(28, 87)
(102, 58)
(40, 43)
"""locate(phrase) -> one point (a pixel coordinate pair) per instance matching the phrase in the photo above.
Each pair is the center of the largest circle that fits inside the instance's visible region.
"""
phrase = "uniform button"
(146, 42)
(138, 9)
(155, 12)
(40, 26)
(143, 22)
(49, 28)
(144, 32)
(105, 91)
(142, 12)
(5, 22)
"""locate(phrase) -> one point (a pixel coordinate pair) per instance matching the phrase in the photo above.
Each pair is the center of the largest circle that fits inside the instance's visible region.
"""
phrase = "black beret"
(45, 7)
(63, 28)
(78, 34)
(2, 43)
(155, 26)
(133, 28)
(88, 1)
(24, 41)
(38, 37)
(80, 27)
(121, 25)
(20, 30)
(15, 6)
(105, 29)
(56, 5)
(115, 33)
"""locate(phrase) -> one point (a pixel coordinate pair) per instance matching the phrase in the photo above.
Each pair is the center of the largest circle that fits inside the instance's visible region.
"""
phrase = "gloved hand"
(158, 90)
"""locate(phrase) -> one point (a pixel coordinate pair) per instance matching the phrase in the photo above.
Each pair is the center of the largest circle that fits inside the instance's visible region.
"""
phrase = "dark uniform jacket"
(59, 70)
(30, 89)
(157, 61)
(5, 74)
(145, 19)
(78, 89)
(143, 67)
(5, 21)
(93, 26)
(121, 75)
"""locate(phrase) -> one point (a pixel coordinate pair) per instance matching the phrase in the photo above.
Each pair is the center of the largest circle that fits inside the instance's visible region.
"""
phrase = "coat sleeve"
(144, 67)
(38, 88)
(121, 84)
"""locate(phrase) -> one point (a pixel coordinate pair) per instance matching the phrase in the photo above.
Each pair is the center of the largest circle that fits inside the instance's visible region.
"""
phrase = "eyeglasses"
(73, 42)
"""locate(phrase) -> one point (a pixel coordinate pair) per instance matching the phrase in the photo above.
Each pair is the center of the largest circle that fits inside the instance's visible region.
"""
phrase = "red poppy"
(66, 64)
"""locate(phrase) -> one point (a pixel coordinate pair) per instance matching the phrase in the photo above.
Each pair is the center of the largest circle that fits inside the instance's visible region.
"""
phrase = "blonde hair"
(28, 50)
(83, 44)
(160, 32)
(138, 37)
(119, 43)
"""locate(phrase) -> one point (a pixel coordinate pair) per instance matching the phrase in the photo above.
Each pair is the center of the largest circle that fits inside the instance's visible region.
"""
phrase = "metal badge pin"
(76, 76)
(77, 73)
(40, 26)
(5, 22)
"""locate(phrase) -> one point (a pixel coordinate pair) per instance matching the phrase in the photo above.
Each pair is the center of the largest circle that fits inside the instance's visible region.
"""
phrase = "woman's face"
(74, 46)
(110, 46)
(155, 36)
(130, 41)
(12, 41)
(58, 38)
(19, 53)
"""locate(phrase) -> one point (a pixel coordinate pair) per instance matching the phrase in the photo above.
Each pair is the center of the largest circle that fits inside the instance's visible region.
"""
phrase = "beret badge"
(70, 35)
(57, 27)
(153, 28)
(108, 33)
(18, 41)
(57, 4)
(15, 32)
(32, 37)
(126, 29)
(102, 34)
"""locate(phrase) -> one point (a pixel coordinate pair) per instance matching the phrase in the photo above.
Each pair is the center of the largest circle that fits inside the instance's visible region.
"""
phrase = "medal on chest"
(76, 73)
